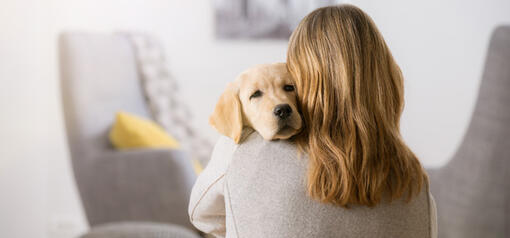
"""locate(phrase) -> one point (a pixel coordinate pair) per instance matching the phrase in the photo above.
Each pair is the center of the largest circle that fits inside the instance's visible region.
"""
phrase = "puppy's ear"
(227, 116)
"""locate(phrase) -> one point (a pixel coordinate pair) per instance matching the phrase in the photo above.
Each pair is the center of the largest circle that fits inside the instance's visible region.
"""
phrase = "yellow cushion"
(130, 131)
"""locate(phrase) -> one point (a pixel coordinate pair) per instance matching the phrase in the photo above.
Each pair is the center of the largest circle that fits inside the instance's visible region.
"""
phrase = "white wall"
(440, 46)
(23, 121)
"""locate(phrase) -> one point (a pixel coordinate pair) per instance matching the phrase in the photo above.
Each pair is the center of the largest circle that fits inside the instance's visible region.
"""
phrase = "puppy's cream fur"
(235, 109)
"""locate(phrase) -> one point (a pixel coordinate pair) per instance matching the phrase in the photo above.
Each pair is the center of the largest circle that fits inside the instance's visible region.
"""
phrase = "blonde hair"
(350, 92)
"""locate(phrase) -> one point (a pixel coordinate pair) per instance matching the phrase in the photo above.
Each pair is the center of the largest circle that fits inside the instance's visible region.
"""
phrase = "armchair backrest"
(99, 77)
(472, 191)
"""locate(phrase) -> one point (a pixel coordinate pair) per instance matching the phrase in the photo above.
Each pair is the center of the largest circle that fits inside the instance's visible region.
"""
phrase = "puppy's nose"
(282, 111)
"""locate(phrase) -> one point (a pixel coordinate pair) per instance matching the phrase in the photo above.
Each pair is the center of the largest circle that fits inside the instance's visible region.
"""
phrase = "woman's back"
(265, 196)
(258, 189)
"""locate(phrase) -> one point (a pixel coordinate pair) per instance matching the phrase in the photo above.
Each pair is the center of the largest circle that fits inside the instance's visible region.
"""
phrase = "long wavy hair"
(351, 96)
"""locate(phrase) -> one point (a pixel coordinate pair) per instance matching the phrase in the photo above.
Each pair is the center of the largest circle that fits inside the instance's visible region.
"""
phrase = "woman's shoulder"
(253, 151)
(276, 156)
(253, 141)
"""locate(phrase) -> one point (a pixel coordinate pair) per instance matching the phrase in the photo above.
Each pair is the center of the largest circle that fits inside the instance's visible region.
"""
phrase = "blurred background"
(439, 45)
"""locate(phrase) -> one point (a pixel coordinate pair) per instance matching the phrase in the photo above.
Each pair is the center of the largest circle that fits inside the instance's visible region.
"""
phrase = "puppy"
(262, 98)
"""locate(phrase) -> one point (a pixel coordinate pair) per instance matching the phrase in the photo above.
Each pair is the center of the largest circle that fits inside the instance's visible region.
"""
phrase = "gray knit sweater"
(257, 189)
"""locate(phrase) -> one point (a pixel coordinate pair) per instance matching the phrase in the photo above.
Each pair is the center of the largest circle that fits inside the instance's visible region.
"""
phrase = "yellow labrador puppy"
(262, 98)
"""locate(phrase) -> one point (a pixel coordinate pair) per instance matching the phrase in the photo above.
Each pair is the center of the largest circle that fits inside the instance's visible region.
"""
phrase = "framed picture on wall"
(261, 19)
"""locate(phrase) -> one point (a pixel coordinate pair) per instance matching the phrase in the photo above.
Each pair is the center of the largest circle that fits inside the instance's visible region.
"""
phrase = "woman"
(355, 177)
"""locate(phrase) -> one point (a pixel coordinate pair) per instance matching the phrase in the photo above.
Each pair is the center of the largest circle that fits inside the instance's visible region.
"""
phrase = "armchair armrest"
(142, 185)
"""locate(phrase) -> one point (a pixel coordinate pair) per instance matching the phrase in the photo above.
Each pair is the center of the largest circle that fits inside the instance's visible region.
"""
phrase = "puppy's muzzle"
(282, 111)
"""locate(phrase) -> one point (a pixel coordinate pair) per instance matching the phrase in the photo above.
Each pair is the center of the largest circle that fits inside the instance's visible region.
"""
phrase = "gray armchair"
(472, 191)
(134, 193)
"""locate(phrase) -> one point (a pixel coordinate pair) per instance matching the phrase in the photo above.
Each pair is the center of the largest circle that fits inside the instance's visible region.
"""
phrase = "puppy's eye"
(256, 94)
(288, 88)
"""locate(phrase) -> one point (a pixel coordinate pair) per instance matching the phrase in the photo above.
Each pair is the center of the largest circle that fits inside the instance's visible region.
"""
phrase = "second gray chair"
(472, 191)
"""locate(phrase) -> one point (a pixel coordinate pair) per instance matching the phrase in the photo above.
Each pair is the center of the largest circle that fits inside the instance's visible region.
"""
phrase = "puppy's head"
(263, 98)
